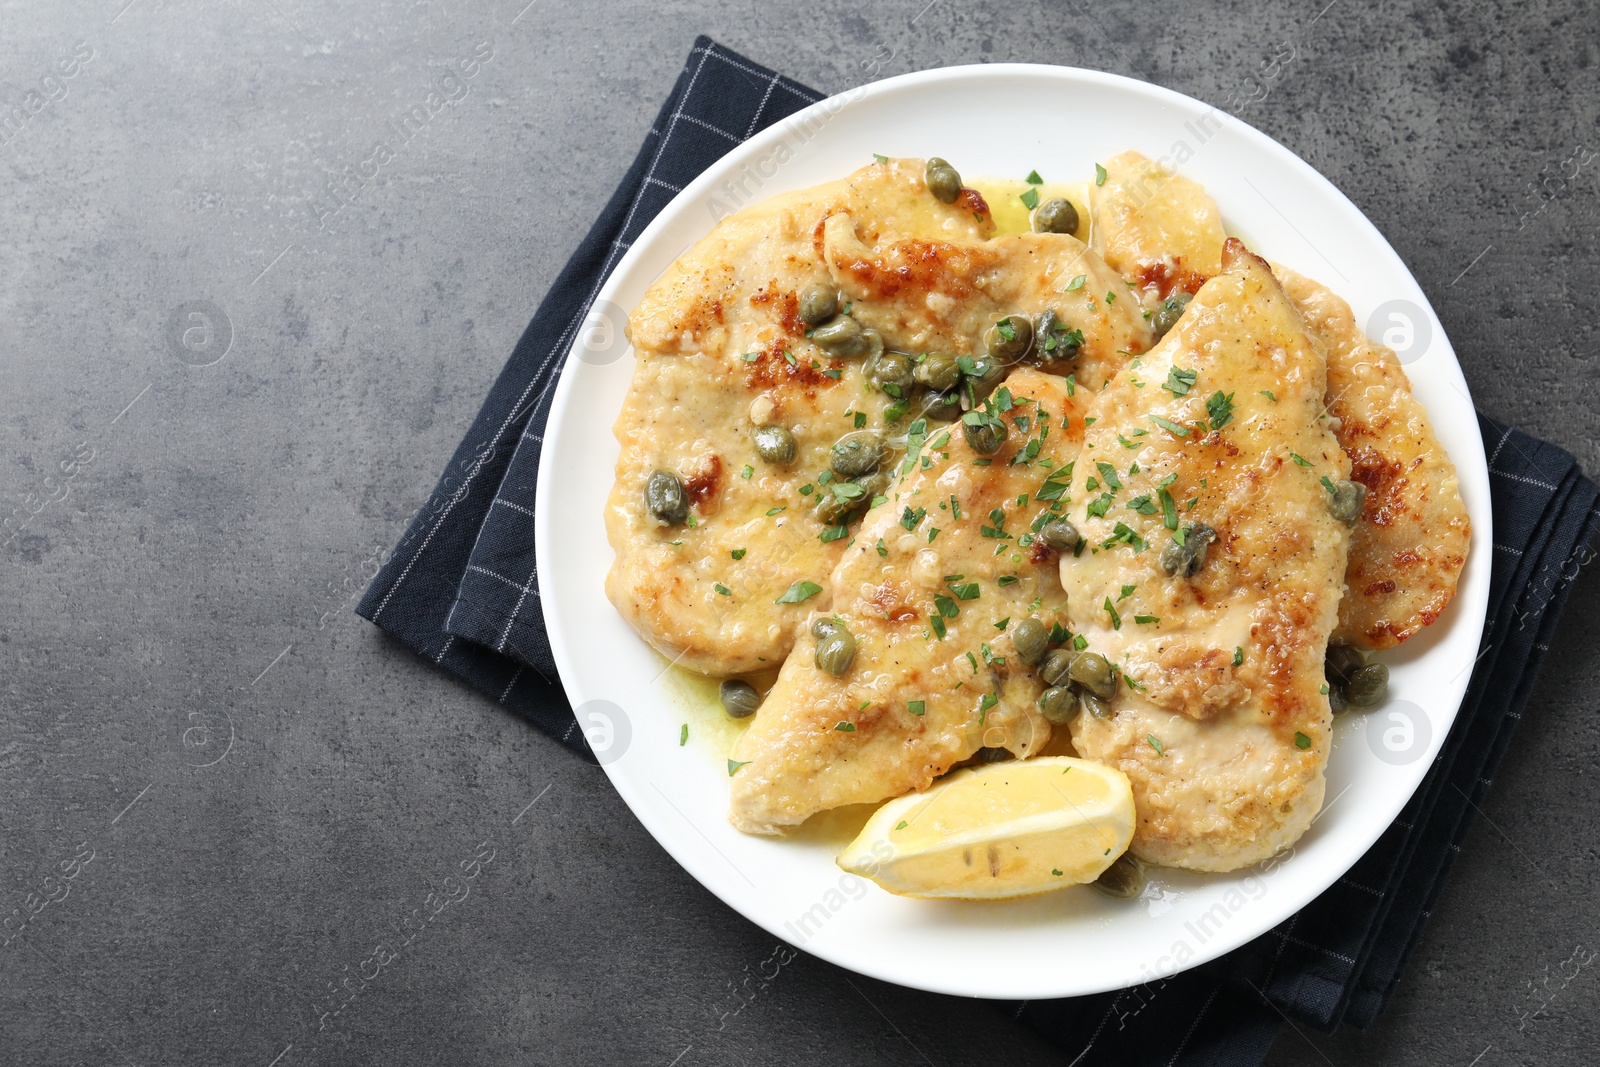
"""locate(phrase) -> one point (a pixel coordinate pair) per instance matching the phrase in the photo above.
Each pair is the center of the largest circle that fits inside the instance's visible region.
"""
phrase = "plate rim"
(1471, 602)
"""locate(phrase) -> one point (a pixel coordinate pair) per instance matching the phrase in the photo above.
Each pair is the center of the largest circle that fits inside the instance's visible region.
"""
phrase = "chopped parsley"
(803, 590)
(1033, 178)
(1299, 460)
(1116, 620)
(834, 533)
(1238, 655)
(1176, 429)
(1052, 489)
(1123, 532)
(1169, 509)
(1268, 394)
(1109, 474)
(1155, 743)
(880, 159)
(1030, 199)
(901, 825)
(916, 707)
(845, 727)
(734, 765)
(748, 472)
(1075, 284)
(724, 590)
(738, 553)
(1301, 740)
(773, 511)
(1145, 620)
(946, 607)
(1220, 405)
(683, 735)
(1099, 174)
(1179, 381)
(883, 550)
(1007, 579)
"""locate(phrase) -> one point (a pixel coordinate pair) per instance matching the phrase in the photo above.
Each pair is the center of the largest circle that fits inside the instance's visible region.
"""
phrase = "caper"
(856, 454)
(1095, 706)
(991, 755)
(818, 304)
(1170, 311)
(1336, 699)
(1341, 663)
(665, 498)
(1009, 339)
(1056, 666)
(1031, 640)
(832, 507)
(873, 484)
(940, 406)
(775, 445)
(892, 372)
(871, 346)
(938, 370)
(1346, 500)
(841, 337)
(1060, 535)
(1124, 879)
(825, 627)
(1059, 705)
(984, 433)
(1368, 686)
(1092, 671)
(739, 699)
(991, 373)
(836, 652)
(1185, 560)
(943, 181)
(1056, 215)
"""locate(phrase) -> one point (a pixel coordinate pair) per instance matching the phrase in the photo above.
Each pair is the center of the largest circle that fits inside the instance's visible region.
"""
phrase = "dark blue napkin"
(461, 589)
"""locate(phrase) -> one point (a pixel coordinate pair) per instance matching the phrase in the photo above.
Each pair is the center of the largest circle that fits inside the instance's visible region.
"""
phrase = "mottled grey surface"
(268, 787)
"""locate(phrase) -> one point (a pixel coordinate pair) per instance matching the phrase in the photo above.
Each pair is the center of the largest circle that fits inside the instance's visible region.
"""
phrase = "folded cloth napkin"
(461, 589)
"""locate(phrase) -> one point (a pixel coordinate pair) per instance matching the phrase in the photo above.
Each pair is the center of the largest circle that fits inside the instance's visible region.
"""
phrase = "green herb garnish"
(799, 591)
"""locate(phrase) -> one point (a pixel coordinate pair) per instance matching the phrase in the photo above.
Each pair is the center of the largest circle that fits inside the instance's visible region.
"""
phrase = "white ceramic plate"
(1000, 121)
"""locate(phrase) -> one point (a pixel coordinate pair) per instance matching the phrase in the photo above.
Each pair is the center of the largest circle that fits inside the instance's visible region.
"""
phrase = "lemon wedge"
(1003, 830)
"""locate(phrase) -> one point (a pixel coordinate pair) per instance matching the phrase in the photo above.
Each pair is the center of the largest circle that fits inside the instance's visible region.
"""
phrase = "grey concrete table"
(253, 377)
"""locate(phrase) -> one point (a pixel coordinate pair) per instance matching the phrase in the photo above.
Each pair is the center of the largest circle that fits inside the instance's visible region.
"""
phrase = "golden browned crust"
(1411, 542)
(944, 294)
(1222, 727)
(820, 742)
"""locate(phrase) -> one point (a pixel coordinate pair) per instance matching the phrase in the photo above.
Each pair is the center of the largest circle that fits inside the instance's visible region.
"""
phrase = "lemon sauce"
(1012, 215)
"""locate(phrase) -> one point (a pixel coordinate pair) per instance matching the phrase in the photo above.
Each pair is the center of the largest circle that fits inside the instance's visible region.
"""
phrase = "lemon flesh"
(1008, 829)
